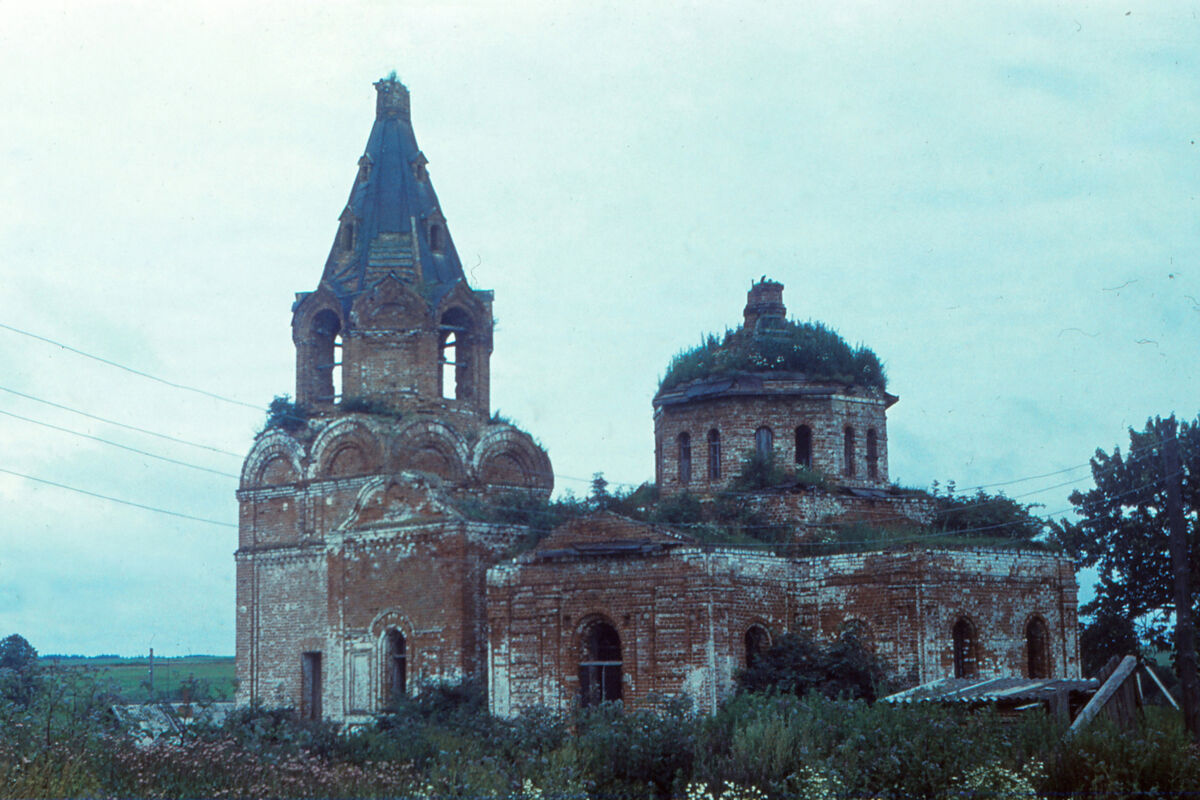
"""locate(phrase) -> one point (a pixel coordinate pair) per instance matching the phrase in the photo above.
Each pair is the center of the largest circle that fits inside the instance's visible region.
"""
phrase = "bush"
(1156, 759)
(796, 664)
(623, 753)
(778, 345)
(282, 413)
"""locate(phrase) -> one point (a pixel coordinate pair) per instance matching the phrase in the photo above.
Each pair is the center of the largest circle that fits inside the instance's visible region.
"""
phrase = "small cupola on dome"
(764, 301)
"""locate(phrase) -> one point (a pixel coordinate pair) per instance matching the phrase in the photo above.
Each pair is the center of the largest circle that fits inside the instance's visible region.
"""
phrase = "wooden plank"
(1106, 692)
(1150, 671)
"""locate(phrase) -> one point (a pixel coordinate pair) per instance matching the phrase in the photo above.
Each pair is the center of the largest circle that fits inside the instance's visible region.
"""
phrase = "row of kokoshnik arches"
(764, 447)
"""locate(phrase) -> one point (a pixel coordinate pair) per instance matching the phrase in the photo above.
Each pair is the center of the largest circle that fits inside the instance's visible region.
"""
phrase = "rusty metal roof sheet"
(991, 690)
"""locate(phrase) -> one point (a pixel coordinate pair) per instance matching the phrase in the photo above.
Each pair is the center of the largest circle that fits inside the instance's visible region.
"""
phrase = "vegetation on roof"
(778, 345)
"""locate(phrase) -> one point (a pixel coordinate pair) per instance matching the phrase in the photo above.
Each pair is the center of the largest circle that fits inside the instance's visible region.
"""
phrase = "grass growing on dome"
(778, 345)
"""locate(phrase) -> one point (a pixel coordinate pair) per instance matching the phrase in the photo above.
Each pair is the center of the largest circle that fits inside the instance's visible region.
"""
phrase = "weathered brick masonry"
(360, 578)
(686, 614)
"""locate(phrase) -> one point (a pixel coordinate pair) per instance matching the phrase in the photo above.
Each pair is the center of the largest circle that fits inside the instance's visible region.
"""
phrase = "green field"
(198, 678)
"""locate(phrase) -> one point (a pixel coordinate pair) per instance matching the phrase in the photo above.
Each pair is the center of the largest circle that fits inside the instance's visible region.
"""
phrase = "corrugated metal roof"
(991, 690)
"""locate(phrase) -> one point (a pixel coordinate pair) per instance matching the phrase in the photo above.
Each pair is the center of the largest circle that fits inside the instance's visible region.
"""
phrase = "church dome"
(769, 343)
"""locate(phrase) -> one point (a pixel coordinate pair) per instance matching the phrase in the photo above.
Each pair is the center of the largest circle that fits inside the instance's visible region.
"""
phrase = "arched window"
(397, 666)
(714, 455)
(346, 235)
(454, 355)
(758, 642)
(310, 685)
(1037, 643)
(964, 648)
(449, 348)
(685, 458)
(804, 446)
(764, 442)
(327, 356)
(437, 238)
(848, 451)
(872, 454)
(600, 664)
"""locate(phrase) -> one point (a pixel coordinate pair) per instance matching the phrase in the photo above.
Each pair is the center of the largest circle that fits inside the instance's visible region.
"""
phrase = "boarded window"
(600, 664)
(310, 686)
(714, 455)
(1037, 642)
(758, 642)
(872, 454)
(397, 666)
(764, 442)
(848, 451)
(964, 648)
(804, 446)
(685, 458)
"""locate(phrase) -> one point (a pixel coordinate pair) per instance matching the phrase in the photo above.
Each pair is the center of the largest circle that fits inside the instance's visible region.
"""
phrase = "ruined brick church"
(360, 578)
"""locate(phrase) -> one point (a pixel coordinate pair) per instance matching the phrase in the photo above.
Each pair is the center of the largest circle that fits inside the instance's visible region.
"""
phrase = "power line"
(131, 370)
(117, 499)
(116, 444)
(119, 424)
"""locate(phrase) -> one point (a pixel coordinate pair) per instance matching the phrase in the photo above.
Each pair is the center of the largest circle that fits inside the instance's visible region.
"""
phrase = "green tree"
(989, 515)
(16, 653)
(1122, 529)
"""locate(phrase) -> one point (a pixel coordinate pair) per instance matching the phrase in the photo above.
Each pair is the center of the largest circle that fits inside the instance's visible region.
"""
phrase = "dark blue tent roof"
(392, 212)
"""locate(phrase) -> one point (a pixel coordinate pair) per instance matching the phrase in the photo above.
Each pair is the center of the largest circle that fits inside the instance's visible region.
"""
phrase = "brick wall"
(682, 613)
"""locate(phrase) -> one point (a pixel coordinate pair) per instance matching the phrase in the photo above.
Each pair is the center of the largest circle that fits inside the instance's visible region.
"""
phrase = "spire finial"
(392, 100)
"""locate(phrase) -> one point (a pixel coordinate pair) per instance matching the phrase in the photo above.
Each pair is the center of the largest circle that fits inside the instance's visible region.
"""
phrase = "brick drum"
(363, 572)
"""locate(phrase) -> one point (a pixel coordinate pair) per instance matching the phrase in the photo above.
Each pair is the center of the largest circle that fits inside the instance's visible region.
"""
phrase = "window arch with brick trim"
(714, 455)
(872, 454)
(455, 355)
(803, 446)
(757, 642)
(396, 667)
(966, 647)
(325, 341)
(600, 665)
(685, 457)
(848, 452)
(764, 442)
(1037, 647)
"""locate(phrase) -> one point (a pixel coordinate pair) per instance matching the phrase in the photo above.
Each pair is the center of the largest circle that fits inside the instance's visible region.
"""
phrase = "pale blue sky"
(999, 199)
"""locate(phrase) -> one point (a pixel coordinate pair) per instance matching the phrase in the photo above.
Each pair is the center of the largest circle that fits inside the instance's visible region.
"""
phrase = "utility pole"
(1185, 631)
(151, 673)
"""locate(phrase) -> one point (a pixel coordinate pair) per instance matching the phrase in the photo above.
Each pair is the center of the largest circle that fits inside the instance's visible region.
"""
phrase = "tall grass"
(445, 745)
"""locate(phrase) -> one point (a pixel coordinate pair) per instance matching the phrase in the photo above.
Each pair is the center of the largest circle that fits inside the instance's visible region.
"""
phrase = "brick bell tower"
(360, 565)
(393, 319)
